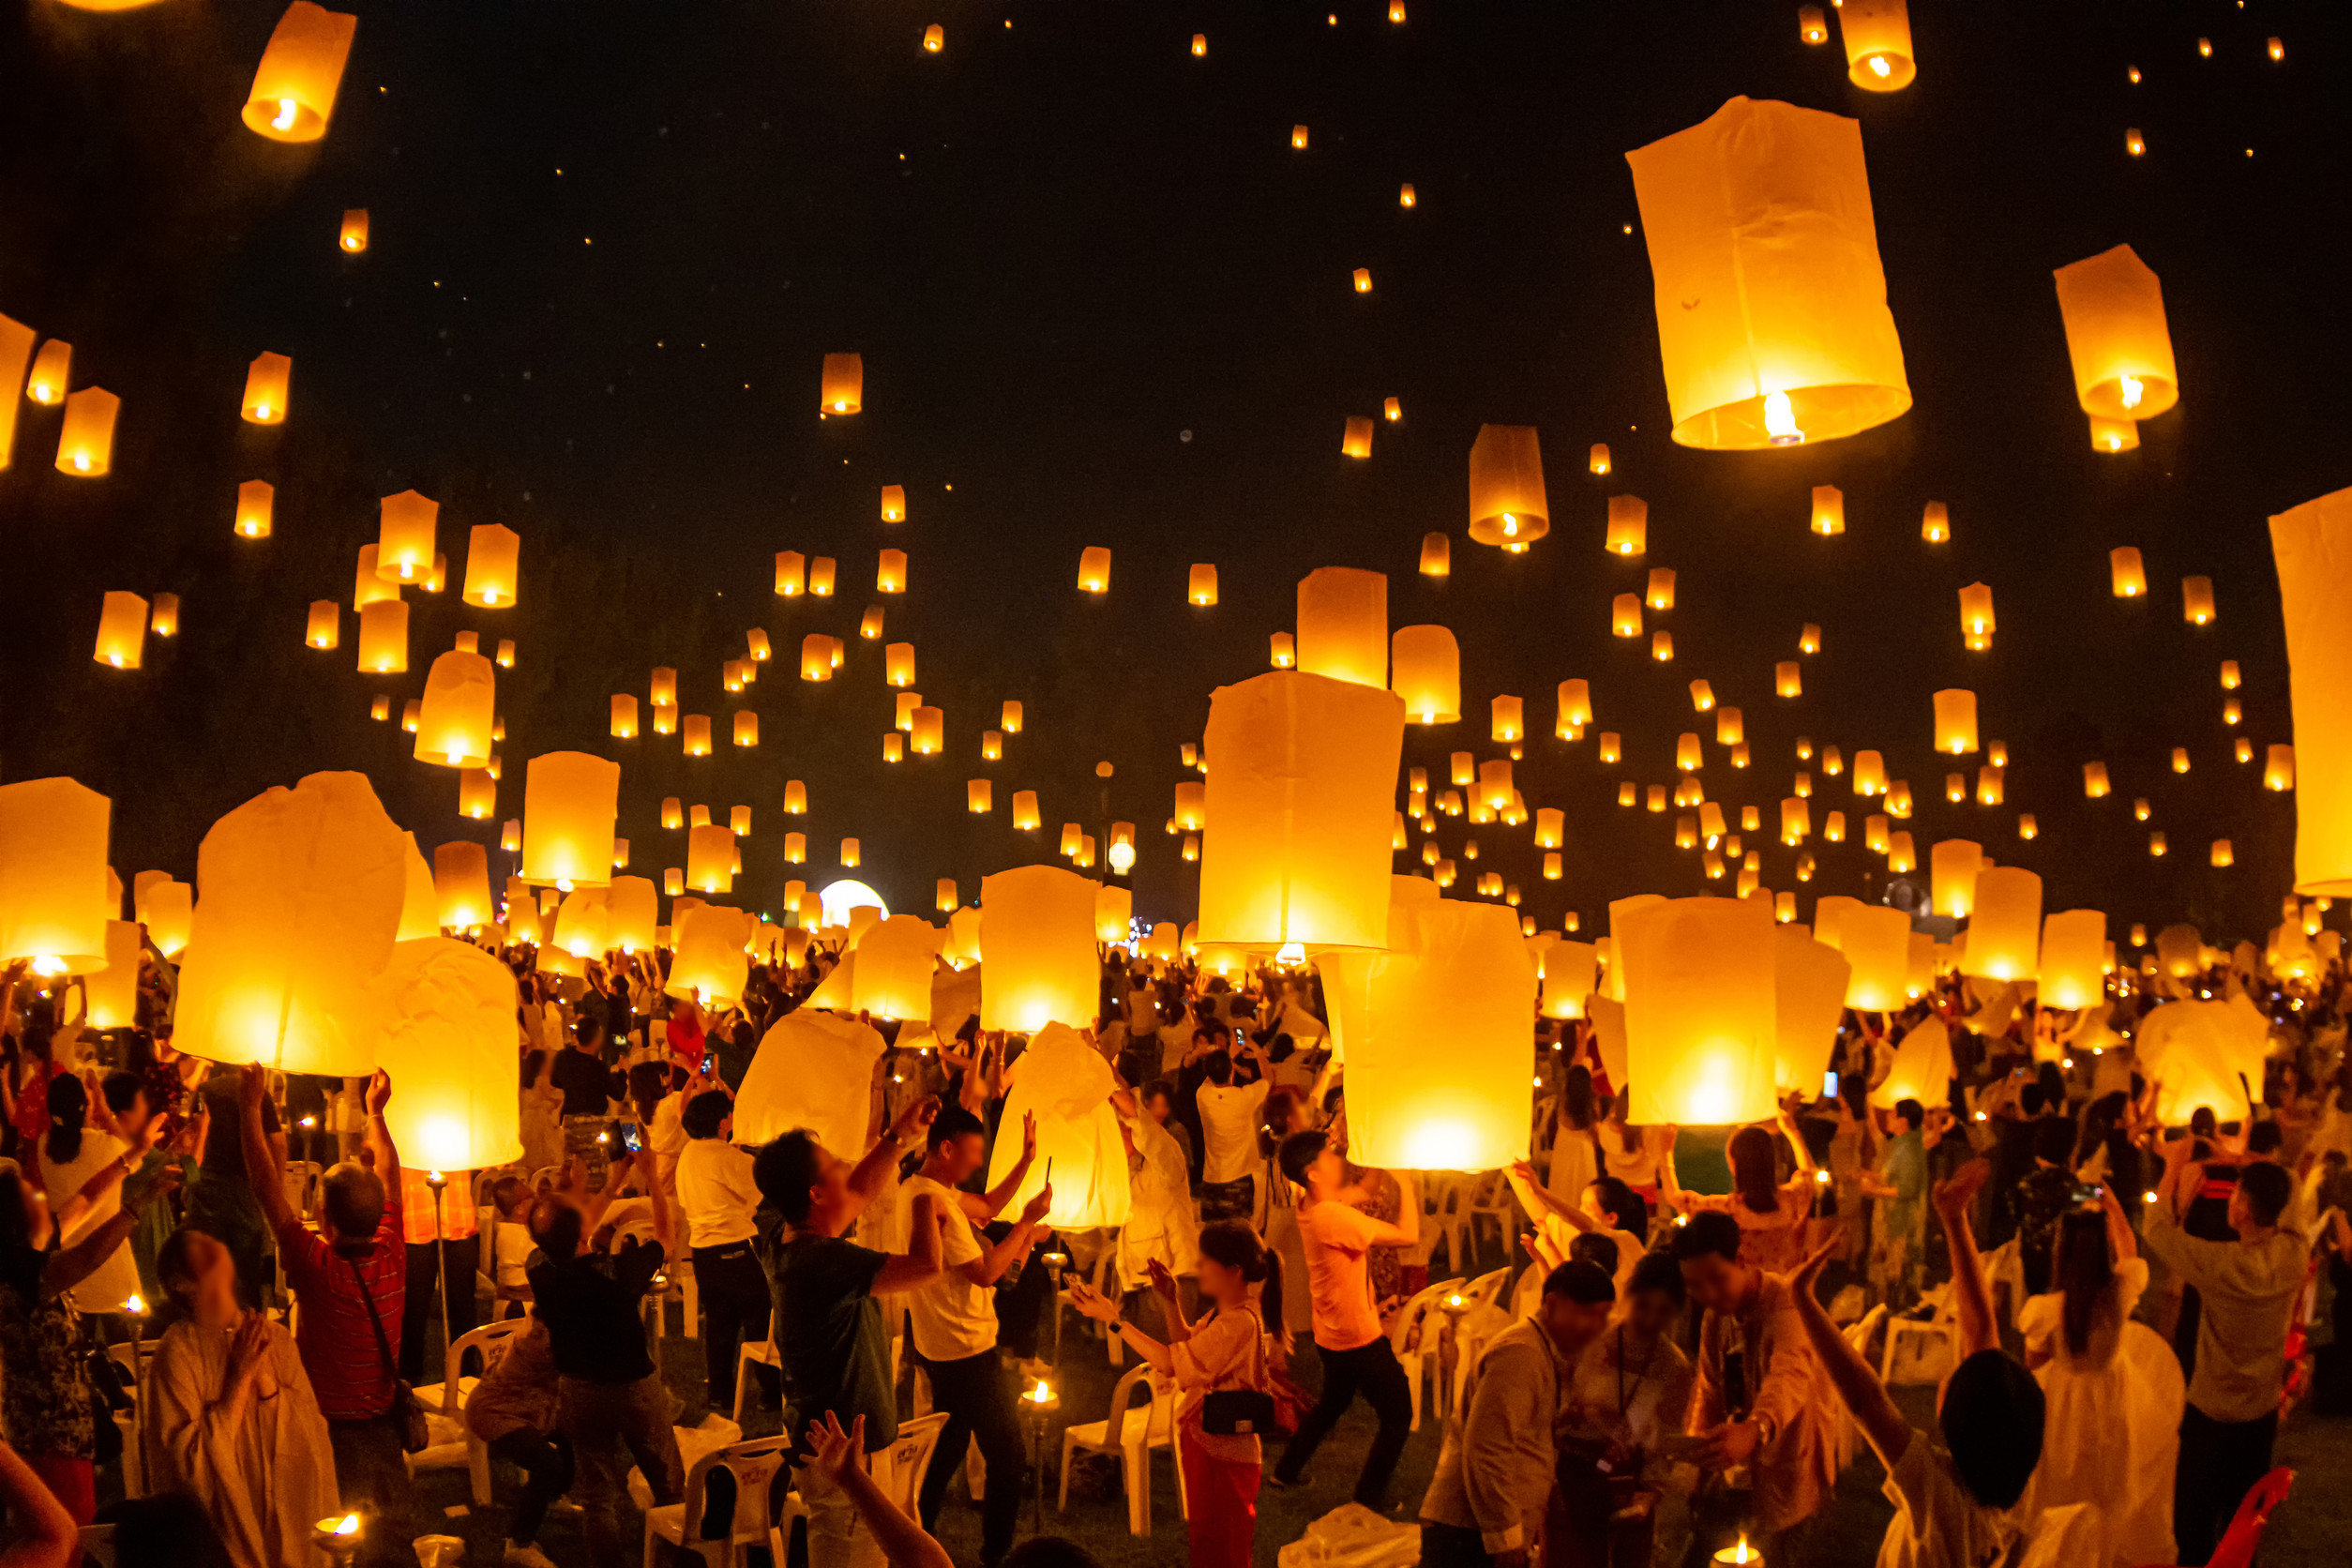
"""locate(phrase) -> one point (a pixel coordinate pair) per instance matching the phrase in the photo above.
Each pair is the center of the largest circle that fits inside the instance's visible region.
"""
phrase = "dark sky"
(611, 243)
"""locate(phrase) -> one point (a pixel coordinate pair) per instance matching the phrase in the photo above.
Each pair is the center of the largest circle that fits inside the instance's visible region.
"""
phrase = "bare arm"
(871, 1173)
(1795, 1134)
(1865, 1395)
(920, 1263)
(45, 1533)
(1979, 1330)
(260, 1174)
(990, 1265)
(1539, 1201)
(380, 1136)
(839, 1456)
(1002, 1193)
(1105, 1311)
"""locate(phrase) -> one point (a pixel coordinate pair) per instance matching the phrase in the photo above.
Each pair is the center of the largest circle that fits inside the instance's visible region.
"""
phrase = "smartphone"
(708, 1058)
(2086, 1194)
(632, 1137)
(1828, 1086)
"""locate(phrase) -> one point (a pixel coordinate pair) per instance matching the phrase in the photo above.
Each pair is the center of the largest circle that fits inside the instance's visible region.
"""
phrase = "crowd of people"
(1674, 1369)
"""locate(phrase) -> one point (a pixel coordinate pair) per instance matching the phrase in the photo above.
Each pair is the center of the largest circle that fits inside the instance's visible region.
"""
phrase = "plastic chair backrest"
(1400, 1333)
(2236, 1550)
(910, 1455)
(1484, 1290)
(753, 1464)
(481, 1340)
(1122, 1399)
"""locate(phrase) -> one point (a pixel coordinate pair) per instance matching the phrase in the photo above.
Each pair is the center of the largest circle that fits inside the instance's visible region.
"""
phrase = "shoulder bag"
(1241, 1412)
(408, 1411)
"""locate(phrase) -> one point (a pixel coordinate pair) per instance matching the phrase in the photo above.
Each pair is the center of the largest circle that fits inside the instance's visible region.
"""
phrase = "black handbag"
(1240, 1413)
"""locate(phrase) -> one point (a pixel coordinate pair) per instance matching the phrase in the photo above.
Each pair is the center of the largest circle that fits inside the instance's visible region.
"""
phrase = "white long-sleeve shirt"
(1495, 1472)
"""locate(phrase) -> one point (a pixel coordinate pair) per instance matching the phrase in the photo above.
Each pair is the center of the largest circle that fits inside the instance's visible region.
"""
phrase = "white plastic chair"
(761, 1353)
(1419, 1355)
(1105, 1267)
(1857, 1334)
(681, 1525)
(1479, 1319)
(1941, 1327)
(910, 1457)
(1140, 1431)
(448, 1399)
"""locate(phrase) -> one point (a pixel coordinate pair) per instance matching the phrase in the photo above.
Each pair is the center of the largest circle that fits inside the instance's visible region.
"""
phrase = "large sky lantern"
(1628, 530)
(1875, 941)
(460, 705)
(578, 934)
(1770, 298)
(1302, 786)
(2203, 1055)
(1343, 624)
(814, 1069)
(1114, 910)
(1921, 1067)
(420, 907)
(1955, 721)
(113, 987)
(301, 69)
(1425, 672)
(16, 357)
(1037, 935)
(2074, 959)
(1507, 503)
(462, 885)
(2005, 925)
(85, 438)
(895, 962)
(841, 385)
(2116, 337)
(1457, 972)
(440, 1020)
(708, 959)
(298, 901)
(1700, 1009)
(383, 637)
(1954, 865)
(404, 542)
(1571, 970)
(1810, 980)
(492, 554)
(167, 908)
(268, 382)
(54, 876)
(1878, 39)
(569, 800)
(2312, 546)
(1066, 1085)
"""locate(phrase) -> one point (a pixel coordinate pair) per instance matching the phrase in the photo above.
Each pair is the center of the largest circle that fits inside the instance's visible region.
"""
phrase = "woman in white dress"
(2113, 1389)
(1575, 1158)
(229, 1418)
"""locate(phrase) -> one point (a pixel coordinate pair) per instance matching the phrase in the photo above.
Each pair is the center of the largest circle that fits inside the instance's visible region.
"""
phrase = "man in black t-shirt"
(589, 1090)
(612, 1402)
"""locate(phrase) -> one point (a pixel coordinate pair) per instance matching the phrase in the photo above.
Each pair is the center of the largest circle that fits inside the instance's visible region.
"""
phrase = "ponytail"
(68, 1103)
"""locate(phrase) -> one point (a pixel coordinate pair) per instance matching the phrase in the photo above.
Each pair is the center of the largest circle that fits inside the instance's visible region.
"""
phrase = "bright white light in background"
(835, 900)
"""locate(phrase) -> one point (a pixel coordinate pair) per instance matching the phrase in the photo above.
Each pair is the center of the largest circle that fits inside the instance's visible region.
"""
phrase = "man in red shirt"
(349, 1279)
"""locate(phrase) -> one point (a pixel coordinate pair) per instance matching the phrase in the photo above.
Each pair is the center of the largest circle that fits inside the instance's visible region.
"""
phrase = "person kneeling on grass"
(1953, 1499)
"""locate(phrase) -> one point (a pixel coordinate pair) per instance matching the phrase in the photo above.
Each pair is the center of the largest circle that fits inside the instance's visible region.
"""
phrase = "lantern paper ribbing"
(1700, 1009)
(440, 1023)
(1770, 297)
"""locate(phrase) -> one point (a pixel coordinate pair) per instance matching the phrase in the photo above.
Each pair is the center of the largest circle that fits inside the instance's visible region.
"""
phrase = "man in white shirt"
(1229, 1136)
(955, 1320)
(718, 1198)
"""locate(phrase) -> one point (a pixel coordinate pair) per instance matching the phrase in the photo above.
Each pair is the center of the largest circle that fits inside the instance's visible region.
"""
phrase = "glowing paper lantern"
(301, 70)
(2278, 773)
(570, 799)
(440, 1020)
(1065, 1085)
(85, 441)
(1955, 721)
(1878, 39)
(1810, 982)
(352, 235)
(1629, 525)
(895, 962)
(54, 903)
(1507, 503)
(2202, 1056)
(461, 889)
(1426, 673)
(1343, 624)
(710, 859)
(2073, 958)
(1875, 940)
(453, 725)
(1038, 932)
(1700, 1011)
(1922, 1068)
(1200, 584)
(1626, 615)
(814, 1069)
(1829, 509)
(266, 386)
(1094, 569)
(2312, 546)
(2005, 925)
(383, 637)
(841, 387)
(708, 959)
(746, 727)
(927, 735)
(1114, 910)
(1770, 298)
(1976, 616)
(301, 893)
(1954, 865)
(696, 736)
(1507, 720)
(1436, 555)
(167, 909)
(122, 632)
(2116, 337)
(16, 352)
(1934, 524)
(491, 553)
(2114, 435)
(1355, 437)
(2197, 601)
(1025, 810)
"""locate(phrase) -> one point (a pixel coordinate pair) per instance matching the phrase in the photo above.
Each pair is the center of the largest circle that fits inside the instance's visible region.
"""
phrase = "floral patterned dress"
(44, 1387)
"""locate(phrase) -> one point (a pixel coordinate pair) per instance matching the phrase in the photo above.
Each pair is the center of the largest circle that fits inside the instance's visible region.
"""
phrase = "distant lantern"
(2005, 925)
(926, 734)
(2278, 773)
(710, 858)
(1769, 296)
(302, 68)
(1392, 410)
(933, 37)
(1954, 865)
(849, 852)
(1788, 679)
(1199, 44)
(1829, 509)
(1343, 624)
(2095, 784)
(122, 632)
(820, 571)
(2114, 435)
(506, 653)
(1870, 773)
(979, 796)
(1507, 503)
(1699, 981)
(267, 385)
(438, 574)
(1878, 37)
(461, 886)
(624, 716)
(353, 237)
(1934, 524)
(1094, 569)
(1282, 651)
(1301, 795)
(1626, 615)
(696, 734)
(2222, 855)
(746, 727)
(52, 369)
(889, 572)
(2126, 577)
(1702, 697)
(2117, 336)
(816, 657)
(1427, 671)
(1436, 555)
(570, 799)
(842, 386)
(1811, 25)
(1796, 820)
(2180, 759)
(1955, 721)
(1662, 646)
(453, 726)
(1687, 754)
(2197, 601)
(257, 500)
(1200, 584)
(1976, 617)
(2134, 143)
(1628, 527)
(791, 570)
(898, 664)
(491, 553)
(1575, 709)
(85, 439)
(1009, 716)
(1507, 720)
(1494, 784)
(405, 543)
(1355, 437)
(383, 637)
(1298, 136)
(991, 746)
(1989, 783)
(1730, 727)
(2156, 846)
(1809, 639)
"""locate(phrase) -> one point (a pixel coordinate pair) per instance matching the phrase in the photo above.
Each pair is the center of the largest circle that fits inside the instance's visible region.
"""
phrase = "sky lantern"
(2116, 337)
(1507, 503)
(301, 69)
(1200, 584)
(1363, 278)
(1878, 37)
(795, 849)
(1301, 792)
(2312, 546)
(2222, 853)
(2201, 1056)
(1494, 785)
(1770, 299)
(1870, 773)
(86, 440)
(2127, 578)
(821, 576)
(709, 958)
(1454, 971)
(122, 632)
(1976, 617)
(440, 1020)
(889, 572)
(352, 235)
(1687, 754)
(1829, 509)
(1788, 679)
(1953, 867)
(1875, 940)
(383, 637)
(2114, 435)
(898, 664)
(1355, 437)
(257, 499)
(1811, 25)
(1191, 806)
(1628, 527)
(1810, 979)
(1065, 1084)
(695, 734)
(1009, 716)
(493, 551)
(816, 657)
(1114, 911)
(1921, 1067)
(55, 900)
(1506, 719)
(299, 897)
(2095, 785)
(1298, 138)
(795, 798)
(1094, 569)
(1626, 615)
(1702, 697)
(2005, 925)
(404, 544)
(710, 858)
(746, 727)
(1425, 665)
(1343, 624)
(1700, 1011)
(477, 793)
(265, 388)
(979, 796)
(15, 354)
(896, 958)
(1025, 817)
(2072, 965)
(934, 36)
(791, 571)
(841, 387)
(1576, 705)
(1037, 935)
(624, 716)
(814, 1069)
(50, 373)
(2197, 601)
(1955, 721)
(1934, 524)
(460, 705)
(1436, 555)
(570, 799)
(462, 885)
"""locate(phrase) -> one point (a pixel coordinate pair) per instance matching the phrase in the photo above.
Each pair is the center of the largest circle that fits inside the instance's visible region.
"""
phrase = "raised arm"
(260, 1174)
(1851, 1375)
(990, 1265)
(70, 1266)
(1973, 1296)
(838, 1456)
(870, 1173)
(380, 1136)
(921, 1262)
(1539, 1201)
(992, 1203)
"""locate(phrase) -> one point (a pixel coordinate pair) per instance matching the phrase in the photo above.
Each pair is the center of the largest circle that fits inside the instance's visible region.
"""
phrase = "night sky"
(1102, 301)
